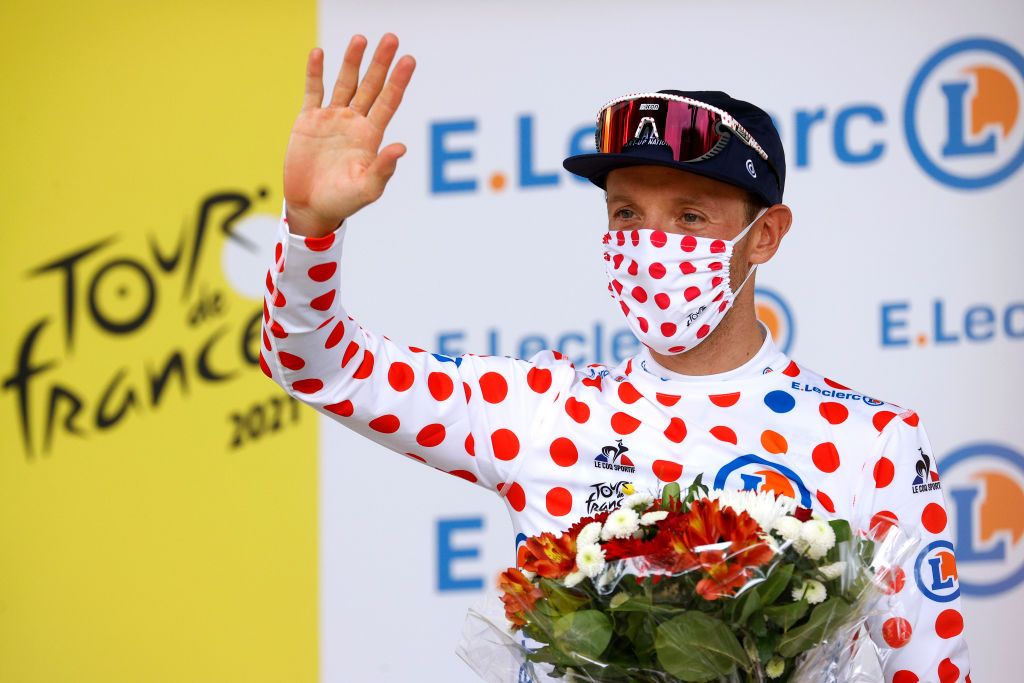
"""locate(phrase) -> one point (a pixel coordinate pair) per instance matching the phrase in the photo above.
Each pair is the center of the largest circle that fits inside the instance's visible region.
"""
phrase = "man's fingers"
(383, 167)
(391, 96)
(348, 76)
(373, 81)
(314, 94)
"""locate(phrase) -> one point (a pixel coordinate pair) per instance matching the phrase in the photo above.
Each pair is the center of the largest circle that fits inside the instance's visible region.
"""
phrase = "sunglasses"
(694, 130)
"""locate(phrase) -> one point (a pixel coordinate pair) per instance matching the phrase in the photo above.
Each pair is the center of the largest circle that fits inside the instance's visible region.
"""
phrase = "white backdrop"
(898, 279)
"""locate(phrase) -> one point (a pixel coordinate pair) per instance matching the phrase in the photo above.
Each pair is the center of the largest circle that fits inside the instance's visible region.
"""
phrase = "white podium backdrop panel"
(904, 138)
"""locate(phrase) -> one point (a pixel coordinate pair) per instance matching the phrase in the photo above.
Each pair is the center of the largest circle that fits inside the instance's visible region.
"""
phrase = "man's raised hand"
(334, 165)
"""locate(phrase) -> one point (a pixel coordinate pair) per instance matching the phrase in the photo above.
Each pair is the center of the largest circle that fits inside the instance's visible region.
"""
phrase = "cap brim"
(595, 167)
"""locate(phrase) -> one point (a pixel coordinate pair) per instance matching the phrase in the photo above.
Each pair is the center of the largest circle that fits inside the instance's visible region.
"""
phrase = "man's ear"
(768, 233)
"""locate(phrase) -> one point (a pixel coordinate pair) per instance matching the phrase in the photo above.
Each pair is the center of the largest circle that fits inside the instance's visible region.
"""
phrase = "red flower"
(519, 595)
(576, 528)
(722, 543)
(803, 514)
(616, 549)
(550, 556)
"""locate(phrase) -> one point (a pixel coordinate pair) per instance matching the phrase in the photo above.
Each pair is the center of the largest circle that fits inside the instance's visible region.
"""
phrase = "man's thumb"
(383, 167)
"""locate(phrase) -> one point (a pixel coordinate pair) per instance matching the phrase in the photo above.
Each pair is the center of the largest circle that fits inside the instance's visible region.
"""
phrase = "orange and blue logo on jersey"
(615, 458)
(963, 113)
(935, 571)
(985, 490)
(753, 473)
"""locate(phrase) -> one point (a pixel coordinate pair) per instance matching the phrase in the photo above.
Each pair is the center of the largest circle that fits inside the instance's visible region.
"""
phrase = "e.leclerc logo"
(962, 115)
(984, 489)
(962, 121)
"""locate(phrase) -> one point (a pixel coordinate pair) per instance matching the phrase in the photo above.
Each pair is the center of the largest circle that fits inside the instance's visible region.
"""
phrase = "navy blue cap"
(736, 164)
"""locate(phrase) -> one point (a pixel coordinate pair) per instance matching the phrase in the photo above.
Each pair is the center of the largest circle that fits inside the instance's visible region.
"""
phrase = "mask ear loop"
(741, 236)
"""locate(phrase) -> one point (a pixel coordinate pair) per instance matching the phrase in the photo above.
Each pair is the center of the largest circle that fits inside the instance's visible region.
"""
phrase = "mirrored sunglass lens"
(690, 131)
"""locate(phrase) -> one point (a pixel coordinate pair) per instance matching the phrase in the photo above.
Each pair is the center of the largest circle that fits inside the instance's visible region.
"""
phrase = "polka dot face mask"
(674, 289)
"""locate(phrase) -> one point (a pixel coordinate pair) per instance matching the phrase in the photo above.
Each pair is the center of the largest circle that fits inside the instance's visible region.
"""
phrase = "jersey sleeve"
(469, 416)
(918, 623)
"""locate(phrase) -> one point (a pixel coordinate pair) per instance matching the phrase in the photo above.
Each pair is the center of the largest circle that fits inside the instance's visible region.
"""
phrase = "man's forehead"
(629, 182)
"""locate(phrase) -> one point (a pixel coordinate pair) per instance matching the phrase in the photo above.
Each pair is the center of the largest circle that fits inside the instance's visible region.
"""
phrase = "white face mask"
(674, 289)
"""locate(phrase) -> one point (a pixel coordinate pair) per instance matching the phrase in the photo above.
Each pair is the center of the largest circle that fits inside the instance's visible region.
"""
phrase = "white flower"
(812, 591)
(589, 534)
(775, 667)
(640, 501)
(621, 523)
(819, 537)
(573, 579)
(649, 518)
(763, 506)
(590, 559)
(833, 571)
(788, 528)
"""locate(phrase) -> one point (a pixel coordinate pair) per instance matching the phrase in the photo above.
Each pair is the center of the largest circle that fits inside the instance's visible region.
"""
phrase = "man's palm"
(333, 166)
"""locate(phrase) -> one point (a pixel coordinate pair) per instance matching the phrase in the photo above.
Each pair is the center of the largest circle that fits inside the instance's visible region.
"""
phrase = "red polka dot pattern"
(948, 671)
(723, 433)
(676, 430)
(725, 400)
(577, 410)
(308, 386)
(834, 413)
(539, 379)
(385, 424)
(897, 632)
(431, 435)
(825, 501)
(440, 386)
(628, 393)
(505, 444)
(343, 408)
(516, 496)
(558, 501)
(322, 272)
(666, 470)
(493, 387)
(933, 517)
(884, 472)
(882, 418)
(826, 457)
(563, 451)
(949, 624)
(623, 423)
(400, 376)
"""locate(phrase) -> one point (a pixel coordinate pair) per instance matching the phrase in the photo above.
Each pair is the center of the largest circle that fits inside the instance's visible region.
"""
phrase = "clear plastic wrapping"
(730, 586)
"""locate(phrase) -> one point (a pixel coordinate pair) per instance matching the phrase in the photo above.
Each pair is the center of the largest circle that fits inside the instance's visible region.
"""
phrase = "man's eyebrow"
(698, 200)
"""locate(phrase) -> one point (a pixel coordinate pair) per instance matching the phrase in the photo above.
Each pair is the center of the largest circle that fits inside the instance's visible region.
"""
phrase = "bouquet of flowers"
(710, 586)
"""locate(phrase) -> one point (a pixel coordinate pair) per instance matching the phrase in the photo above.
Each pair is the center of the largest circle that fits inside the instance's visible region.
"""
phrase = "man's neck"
(735, 341)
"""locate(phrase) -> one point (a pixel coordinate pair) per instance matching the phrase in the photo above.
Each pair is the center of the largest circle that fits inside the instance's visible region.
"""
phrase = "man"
(694, 184)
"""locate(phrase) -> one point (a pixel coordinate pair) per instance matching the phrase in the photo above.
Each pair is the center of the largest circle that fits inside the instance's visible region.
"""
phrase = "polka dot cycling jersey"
(559, 442)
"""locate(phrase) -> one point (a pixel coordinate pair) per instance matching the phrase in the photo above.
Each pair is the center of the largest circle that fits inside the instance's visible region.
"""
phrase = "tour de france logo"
(984, 490)
(962, 115)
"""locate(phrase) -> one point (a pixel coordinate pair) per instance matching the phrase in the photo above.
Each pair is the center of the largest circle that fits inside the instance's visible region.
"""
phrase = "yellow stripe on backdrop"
(158, 508)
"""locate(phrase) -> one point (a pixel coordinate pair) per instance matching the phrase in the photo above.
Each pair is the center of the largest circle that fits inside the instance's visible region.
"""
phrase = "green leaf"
(698, 647)
(624, 602)
(841, 527)
(668, 494)
(586, 632)
(771, 588)
(824, 620)
(561, 599)
(787, 616)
